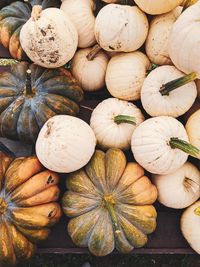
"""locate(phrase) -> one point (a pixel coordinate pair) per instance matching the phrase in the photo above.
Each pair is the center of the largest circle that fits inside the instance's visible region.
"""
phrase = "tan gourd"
(121, 28)
(125, 75)
(81, 14)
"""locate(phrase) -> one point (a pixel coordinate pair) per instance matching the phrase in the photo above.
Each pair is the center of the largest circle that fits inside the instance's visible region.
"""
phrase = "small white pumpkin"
(157, 145)
(193, 129)
(81, 13)
(157, 42)
(114, 121)
(168, 92)
(65, 144)
(179, 189)
(155, 7)
(89, 66)
(49, 38)
(125, 75)
(184, 48)
(121, 28)
(190, 223)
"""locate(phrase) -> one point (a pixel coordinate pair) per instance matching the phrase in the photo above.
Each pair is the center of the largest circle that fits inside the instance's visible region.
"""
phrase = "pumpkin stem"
(125, 119)
(94, 51)
(197, 211)
(7, 62)
(109, 202)
(152, 67)
(191, 185)
(187, 3)
(184, 146)
(3, 206)
(28, 82)
(36, 12)
(170, 86)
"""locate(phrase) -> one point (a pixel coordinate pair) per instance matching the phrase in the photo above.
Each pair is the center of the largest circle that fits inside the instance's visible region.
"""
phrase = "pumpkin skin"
(110, 203)
(22, 114)
(25, 189)
(13, 17)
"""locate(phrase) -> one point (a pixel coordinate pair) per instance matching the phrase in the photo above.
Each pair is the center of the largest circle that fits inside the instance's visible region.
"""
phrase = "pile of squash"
(143, 57)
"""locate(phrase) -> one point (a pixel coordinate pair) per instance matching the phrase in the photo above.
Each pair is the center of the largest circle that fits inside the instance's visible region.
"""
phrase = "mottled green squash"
(27, 207)
(13, 17)
(110, 204)
(30, 95)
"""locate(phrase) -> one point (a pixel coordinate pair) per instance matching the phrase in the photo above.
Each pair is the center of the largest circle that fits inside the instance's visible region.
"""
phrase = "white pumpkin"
(190, 223)
(113, 122)
(65, 144)
(121, 28)
(155, 7)
(81, 13)
(49, 38)
(184, 48)
(157, 42)
(163, 95)
(179, 189)
(89, 66)
(193, 129)
(125, 75)
(157, 142)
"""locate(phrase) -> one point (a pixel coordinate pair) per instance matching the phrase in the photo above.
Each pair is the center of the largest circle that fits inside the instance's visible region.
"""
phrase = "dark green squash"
(13, 17)
(30, 95)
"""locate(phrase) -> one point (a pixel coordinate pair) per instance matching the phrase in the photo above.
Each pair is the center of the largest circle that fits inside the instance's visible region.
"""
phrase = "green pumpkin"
(30, 95)
(13, 17)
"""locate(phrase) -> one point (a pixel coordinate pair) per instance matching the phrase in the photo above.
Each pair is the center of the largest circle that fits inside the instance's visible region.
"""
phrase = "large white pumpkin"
(65, 144)
(81, 13)
(158, 100)
(155, 7)
(125, 75)
(179, 189)
(121, 28)
(184, 48)
(114, 121)
(153, 148)
(157, 43)
(49, 38)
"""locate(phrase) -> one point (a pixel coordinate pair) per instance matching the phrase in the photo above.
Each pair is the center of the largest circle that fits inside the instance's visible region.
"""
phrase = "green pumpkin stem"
(94, 51)
(28, 82)
(184, 146)
(109, 203)
(3, 206)
(197, 211)
(152, 67)
(8, 62)
(170, 86)
(125, 119)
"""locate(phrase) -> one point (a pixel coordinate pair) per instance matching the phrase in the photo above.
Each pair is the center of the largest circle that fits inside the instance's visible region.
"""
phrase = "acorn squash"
(110, 203)
(13, 17)
(30, 95)
(27, 207)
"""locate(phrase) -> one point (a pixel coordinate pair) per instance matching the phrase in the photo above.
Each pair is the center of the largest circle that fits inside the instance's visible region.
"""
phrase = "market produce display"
(132, 70)
(27, 207)
(110, 202)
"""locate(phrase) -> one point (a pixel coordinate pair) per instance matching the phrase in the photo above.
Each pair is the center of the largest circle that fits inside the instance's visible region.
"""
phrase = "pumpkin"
(65, 144)
(81, 14)
(110, 203)
(89, 66)
(125, 75)
(43, 40)
(190, 225)
(160, 145)
(113, 122)
(169, 92)
(157, 42)
(121, 28)
(13, 17)
(27, 207)
(185, 52)
(193, 128)
(179, 189)
(155, 7)
(30, 95)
